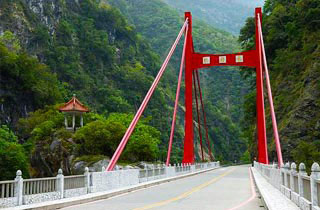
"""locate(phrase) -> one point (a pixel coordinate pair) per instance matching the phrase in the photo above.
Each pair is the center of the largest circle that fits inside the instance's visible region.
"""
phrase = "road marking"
(253, 192)
(186, 194)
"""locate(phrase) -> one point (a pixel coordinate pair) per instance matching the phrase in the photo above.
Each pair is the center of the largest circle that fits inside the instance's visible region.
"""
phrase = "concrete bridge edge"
(270, 203)
(58, 204)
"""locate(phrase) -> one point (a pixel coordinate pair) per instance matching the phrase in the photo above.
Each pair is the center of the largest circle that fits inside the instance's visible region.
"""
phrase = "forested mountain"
(89, 49)
(51, 50)
(292, 38)
(229, 15)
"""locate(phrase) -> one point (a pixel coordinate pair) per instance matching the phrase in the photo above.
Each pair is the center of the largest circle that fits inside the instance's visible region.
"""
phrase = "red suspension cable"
(197, 105)
(177, 99)
(272, 112)
(136, 118)
(204, 116)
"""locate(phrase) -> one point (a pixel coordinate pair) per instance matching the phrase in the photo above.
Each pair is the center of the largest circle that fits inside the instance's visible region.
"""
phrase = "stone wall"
(75, 192)
(7, 202)
(38, 198)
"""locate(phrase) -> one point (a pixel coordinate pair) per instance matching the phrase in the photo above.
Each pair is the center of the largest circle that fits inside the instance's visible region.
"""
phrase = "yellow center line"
(186, 194)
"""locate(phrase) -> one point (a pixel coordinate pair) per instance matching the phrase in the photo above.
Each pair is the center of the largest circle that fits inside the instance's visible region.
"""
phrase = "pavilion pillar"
(66, 121)
(73, 121)
(81, 120)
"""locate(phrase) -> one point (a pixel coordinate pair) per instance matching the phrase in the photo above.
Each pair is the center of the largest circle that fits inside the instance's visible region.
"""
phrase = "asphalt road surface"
(227, 188)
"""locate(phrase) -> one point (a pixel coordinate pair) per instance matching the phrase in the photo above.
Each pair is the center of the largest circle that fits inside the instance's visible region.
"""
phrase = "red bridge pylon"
(193, 61)
(253, 59)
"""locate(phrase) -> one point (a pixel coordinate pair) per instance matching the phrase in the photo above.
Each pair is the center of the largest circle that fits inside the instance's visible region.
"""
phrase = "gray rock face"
(144, 165)
(78, 167)
(54, 144)
(48, 11)
(98, 165)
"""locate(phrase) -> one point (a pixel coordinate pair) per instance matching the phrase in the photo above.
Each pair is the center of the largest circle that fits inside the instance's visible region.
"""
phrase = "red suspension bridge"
(191, 63)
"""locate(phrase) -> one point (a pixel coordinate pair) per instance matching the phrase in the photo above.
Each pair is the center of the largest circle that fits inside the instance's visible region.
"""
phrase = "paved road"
(222, 189)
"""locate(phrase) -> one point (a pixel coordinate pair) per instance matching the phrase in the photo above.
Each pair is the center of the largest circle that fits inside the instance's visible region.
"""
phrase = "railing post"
(60, 183)
(281, 176)
(87, 178)
(302, 172)
(18, 187)
(153, 171)
(293, 172)
(286, 171)
(315, 175)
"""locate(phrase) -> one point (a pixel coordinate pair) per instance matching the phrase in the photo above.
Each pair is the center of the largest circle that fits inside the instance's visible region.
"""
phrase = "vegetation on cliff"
(93, 49)
(292, 37)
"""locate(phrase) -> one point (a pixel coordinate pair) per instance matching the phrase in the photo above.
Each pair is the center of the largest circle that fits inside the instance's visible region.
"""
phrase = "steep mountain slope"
(229, 15)
(90, 47)
(95, 53)
(292, 36)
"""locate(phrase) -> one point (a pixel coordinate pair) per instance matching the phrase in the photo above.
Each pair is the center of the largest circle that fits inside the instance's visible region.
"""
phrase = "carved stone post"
(315, 175)
(19, 188)
(60, 183)
(293, 172)
(302, 172)
(87, 178)
(286, 172)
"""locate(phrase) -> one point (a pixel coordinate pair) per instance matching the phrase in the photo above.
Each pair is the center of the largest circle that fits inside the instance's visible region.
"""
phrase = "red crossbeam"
(247, 58)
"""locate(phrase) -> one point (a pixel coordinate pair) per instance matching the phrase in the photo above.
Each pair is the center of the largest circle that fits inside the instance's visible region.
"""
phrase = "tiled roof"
(73, 105)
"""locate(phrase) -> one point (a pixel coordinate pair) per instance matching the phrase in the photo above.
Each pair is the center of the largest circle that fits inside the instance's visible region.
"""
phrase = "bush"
(104, 135)
(12, 156)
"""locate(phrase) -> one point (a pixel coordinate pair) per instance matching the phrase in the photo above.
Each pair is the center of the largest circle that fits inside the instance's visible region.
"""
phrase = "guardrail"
(27, 191)
(295, 184)
(7, 189)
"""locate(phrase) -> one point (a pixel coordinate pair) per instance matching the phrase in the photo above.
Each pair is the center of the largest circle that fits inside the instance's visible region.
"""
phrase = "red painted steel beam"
(261, 123)
(204, 117)
(247, 58)
(136, 118)
(188, 153)
(198, 114)
(177, 98)
(272, 112)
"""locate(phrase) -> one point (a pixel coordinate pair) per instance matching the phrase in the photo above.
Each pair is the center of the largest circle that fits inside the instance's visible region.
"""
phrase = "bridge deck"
(224, 188)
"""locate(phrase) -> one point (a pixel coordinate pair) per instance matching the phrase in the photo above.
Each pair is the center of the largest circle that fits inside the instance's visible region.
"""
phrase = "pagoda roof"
(74, 105)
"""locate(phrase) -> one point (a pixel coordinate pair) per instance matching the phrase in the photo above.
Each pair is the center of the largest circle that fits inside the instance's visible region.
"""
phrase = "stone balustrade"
(27, 191)
(295, 183)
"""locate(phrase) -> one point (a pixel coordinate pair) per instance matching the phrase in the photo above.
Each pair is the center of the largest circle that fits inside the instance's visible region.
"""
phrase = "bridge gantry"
(192, 62)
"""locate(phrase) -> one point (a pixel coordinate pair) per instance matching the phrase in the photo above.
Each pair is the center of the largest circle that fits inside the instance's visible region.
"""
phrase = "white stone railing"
(302, 189)
(7, 189)
(27, 191)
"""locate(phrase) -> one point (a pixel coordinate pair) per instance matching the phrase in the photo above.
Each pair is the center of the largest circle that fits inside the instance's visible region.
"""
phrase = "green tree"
(12, 155)
(103, 137)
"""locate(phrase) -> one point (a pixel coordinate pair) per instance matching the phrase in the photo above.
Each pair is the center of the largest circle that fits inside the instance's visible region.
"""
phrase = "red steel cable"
(136, 118)
(273, 115)
(197, 105)
(204, 116)
(177, 98)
